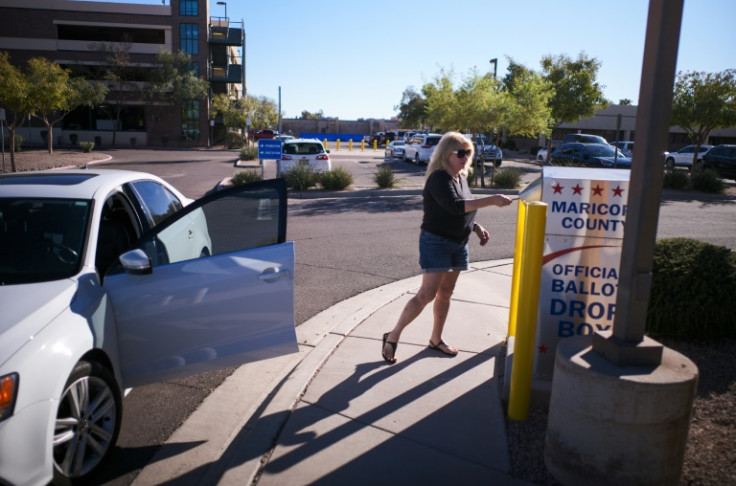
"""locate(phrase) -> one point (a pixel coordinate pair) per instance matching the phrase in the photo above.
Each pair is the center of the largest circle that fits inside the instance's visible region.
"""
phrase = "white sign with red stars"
(586, 214)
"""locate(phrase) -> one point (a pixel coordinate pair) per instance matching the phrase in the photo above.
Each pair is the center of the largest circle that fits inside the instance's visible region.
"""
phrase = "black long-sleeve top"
(444, 207)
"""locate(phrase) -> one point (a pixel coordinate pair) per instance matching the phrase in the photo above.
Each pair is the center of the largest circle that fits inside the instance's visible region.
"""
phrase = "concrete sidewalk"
(336, 413)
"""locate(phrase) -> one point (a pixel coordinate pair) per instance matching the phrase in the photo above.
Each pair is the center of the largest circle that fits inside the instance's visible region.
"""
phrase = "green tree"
(54, 93)
(120, 78)
(412, 109)
(173, 80)
(529, 112)
(624, 102)
(15, 99)
(443, 111)
(703, 102)
(577, 93)
(306, 115)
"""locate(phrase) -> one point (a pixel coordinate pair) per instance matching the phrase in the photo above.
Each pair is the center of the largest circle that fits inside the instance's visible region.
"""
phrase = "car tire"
(416, 159)
(669, 163)
(497, 163)
(87, 423)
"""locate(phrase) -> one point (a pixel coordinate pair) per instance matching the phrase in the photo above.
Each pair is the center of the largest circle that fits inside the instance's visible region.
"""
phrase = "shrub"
(18, 142)
(87, 146)
(301, 177)
(234, 140)
(385, 177)
(535, 149)
(336, 179)
(675, 179)
(509, 144)
(245, 177)
(693, 284)
(507, 178)
(471, 177)
(250, 152)
(707, 181)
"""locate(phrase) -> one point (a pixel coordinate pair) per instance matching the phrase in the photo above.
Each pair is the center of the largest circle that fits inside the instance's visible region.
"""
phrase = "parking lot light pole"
(494, 61)
(224, 4)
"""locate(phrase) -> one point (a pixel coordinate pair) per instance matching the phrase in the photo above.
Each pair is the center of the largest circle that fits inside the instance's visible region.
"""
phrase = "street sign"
(269, 149)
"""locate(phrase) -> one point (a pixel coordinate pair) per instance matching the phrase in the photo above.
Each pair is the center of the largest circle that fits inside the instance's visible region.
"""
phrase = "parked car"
(542, 152)
(114, 279)
(626, 148)
(482, 144)
(284, 138)
(419, 148)
(684, 156)
(583, 138)
(589, 155)
(304, 151)
(722, 159)
(395, 149)
(266, 133)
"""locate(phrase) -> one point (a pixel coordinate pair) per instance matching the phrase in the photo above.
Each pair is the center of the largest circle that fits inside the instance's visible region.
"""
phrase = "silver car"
(114, 279)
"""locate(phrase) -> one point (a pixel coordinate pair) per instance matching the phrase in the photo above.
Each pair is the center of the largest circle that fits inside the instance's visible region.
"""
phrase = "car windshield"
(41, 239)
(303, 148)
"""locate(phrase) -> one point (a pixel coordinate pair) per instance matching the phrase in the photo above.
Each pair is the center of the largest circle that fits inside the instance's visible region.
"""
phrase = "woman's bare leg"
(442, 307)
(430, 286)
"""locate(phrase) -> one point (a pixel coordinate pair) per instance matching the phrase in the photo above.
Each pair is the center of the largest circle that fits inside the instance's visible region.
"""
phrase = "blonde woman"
(449, 219)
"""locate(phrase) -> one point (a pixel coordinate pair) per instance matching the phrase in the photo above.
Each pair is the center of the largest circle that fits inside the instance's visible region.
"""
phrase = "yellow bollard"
(518, 254)
(375, 145)
(530, 277)
(338, 144)
(362, 145)
(325, 144)
(350, 144)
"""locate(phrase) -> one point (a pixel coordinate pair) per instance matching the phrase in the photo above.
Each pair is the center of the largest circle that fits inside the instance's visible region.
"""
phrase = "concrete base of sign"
(647, 352)
(611, 425)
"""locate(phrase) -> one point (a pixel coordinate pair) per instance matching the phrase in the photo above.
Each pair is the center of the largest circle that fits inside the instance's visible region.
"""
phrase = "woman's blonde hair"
(450, 142)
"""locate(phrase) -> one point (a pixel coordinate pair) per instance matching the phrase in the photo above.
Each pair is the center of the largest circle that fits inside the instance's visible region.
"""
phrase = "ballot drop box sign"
(586, 215)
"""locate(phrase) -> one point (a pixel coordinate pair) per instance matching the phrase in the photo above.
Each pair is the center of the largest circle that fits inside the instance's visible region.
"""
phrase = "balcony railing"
(225, 32)
(232, 73)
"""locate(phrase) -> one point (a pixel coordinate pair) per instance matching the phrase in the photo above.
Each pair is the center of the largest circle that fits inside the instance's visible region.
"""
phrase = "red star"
(618, 191)
(598, 190)
(577, 189)
(543, 349)
(558, 188)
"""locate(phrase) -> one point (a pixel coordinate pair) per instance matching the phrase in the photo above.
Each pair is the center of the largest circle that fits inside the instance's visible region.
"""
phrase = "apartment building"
(91, 38)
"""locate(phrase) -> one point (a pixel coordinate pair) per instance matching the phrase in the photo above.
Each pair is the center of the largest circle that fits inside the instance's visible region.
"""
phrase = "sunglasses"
(462, 153)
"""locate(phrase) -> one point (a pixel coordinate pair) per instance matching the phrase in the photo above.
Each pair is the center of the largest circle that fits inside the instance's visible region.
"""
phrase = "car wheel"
(669, 163)
(416, 159)
(497, 163)
(87, 423)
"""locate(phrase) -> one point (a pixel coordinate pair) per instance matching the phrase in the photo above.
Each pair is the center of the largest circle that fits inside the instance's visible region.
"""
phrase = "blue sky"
(354, 59)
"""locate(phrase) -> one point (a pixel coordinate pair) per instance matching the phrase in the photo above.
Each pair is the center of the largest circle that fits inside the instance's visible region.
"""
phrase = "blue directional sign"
(269, 149)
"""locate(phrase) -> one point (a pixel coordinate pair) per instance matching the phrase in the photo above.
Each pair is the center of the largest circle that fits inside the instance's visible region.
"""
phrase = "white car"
(395, 149)
(307, 151)
(684, 156)
(420, 146)
(114, 279)
(626, 148)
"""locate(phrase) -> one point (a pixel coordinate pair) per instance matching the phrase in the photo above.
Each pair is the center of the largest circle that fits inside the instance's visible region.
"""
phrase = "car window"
(157, 202)
(433, 140)
(41, 239)
(688, 150)
(239, 218)
(303, 148)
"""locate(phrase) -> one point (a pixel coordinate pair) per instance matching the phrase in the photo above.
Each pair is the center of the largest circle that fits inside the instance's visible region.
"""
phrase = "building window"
(189, 39)
(189, 8)
(190, 119)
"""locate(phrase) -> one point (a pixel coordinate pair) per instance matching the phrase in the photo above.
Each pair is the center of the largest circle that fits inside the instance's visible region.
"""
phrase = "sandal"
(439, 347)
(392, 357)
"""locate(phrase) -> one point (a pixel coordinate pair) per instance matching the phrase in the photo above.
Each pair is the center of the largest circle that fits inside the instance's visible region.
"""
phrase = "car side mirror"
(136, 262)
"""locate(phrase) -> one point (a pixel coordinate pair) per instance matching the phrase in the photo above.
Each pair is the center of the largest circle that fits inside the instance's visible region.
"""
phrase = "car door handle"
(272, 274)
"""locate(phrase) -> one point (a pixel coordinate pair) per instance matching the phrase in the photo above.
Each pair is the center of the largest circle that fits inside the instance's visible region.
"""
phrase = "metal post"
(628, 345)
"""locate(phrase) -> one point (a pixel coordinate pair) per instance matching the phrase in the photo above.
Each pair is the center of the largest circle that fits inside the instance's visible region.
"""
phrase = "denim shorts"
(439, 254)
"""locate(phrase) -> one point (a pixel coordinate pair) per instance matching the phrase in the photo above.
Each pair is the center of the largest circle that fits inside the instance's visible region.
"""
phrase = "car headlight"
(8, 392)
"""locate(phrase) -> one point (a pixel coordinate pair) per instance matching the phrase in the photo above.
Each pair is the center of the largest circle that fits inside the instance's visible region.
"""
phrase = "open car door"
(211, 287)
